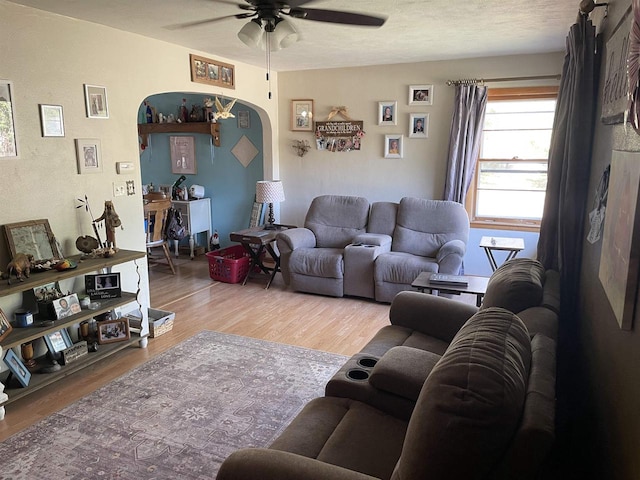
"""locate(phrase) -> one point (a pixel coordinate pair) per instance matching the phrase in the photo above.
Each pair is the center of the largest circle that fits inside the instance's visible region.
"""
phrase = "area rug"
(178, 416)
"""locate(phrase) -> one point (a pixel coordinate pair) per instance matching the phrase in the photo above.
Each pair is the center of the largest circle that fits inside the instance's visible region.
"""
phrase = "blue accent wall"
(230, 186)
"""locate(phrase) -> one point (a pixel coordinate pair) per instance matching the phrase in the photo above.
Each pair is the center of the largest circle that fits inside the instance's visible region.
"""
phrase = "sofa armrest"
(450, 256)
(431, 315)
(403, 370)
(261, 463)
(293, 238)
(377, 239)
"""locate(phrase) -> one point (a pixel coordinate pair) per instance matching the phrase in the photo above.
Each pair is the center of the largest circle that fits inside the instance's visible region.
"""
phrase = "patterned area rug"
(177, 416)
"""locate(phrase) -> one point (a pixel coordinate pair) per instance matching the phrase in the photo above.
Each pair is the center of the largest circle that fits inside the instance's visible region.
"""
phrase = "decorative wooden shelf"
(146, 129)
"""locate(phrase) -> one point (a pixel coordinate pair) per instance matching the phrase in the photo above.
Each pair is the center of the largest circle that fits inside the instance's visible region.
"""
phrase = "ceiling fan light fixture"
(284, 34)
(251, 34)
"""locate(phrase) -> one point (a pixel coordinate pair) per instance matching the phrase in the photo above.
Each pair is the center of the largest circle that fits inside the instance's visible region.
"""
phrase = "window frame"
(493, 94)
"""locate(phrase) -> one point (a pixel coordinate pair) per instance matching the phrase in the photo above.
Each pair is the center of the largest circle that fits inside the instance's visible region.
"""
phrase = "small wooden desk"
(510, 245)
(263, 239)
(477, 286)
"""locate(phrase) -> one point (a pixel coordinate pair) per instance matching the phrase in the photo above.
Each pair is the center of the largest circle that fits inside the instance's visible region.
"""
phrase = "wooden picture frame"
(418, 125)
(393, 146)
(51, 120)
(620, 258)
(33, 237)
(88, 155)
(421, 95)
(212, 72)
(17, 368)
(183, 154)
(5, 326)
(302, 115)
(388, 113)
(95, 99)
(58, 341)
(8, 136)
(110, 331)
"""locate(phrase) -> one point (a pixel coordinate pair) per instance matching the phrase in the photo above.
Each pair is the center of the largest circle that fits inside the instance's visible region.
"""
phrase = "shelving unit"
(40, 328)
(207, 128)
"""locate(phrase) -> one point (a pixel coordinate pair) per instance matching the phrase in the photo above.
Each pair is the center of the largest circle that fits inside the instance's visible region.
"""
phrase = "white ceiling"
(416, 30)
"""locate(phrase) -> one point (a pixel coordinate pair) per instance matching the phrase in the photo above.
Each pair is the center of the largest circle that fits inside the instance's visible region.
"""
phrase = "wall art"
(418, 125)
(421, 95)
(8, 140)
(614, 90)
(183, 154)
(388, 113)
(51, 120)
(393, 146)
(212, 72)
(339, 136)
(88, 155)
(95, 99)
(302, 115)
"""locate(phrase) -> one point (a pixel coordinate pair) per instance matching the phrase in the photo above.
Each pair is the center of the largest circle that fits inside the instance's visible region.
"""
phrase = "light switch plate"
(125, 167)
(119, 189)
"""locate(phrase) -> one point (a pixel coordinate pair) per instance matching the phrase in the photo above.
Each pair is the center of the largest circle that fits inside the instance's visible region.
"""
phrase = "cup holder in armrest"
(367, 362)
(357, 374)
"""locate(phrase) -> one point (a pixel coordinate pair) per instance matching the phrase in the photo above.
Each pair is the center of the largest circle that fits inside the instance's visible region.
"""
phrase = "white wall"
(366, 172)
(49, 58)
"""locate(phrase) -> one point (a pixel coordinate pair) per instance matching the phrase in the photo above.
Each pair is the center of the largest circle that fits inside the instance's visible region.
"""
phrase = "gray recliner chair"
(311, 258)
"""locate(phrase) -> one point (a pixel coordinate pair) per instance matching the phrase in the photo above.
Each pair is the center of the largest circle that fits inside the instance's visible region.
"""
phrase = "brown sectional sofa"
(447, 391)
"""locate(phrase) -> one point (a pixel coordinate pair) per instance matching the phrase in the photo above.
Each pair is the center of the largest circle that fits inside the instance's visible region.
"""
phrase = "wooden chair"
(155, 216)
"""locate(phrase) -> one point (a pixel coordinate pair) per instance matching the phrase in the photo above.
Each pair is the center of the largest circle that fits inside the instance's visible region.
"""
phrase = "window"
(510, 180)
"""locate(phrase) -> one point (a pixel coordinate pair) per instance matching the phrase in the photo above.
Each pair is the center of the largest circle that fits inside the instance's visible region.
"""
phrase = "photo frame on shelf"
(388, 113)
(58, 341)
(88, 155)
(95, 99)
(103, 285)
(51, 120)
(166, 189)
(67, 306)
(110, 331)
(17, 368)
(421, 95)
(183, 155)
(5, 325)
(418, 125)
(33, 237)
(9, 145)
(393, 146)
(212, 72)
(302, 115)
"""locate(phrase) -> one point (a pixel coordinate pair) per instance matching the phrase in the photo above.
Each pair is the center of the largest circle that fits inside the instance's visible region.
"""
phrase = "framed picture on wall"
(88, 155)
(51, 120)
(302, 115)
(95, 99)
(387, 113)
(183, 155)
(9, 144)
(418, 125)
(421, 95)
(393, 146)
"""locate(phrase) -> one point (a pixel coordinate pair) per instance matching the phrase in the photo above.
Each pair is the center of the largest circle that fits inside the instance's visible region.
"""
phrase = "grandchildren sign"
(339, 136)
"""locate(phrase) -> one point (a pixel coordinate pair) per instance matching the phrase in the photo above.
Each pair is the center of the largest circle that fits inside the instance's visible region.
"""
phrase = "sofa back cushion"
(423, 226)
(383, 218)
(336, 219)
(471, 404)
(516, 285)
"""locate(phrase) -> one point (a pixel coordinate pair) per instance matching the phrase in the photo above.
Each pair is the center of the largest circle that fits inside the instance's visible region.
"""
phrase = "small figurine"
(111, 222)
(214, 241)
(19, 265)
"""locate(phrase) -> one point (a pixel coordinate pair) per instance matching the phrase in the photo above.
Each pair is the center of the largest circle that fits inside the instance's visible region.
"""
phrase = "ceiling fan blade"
(334, 16)
(178, 26)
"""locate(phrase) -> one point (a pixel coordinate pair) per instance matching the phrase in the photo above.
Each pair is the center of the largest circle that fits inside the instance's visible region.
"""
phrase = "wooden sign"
(340, 136)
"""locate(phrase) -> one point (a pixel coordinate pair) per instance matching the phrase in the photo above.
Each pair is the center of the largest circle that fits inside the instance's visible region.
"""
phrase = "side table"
(476, 286)
(255, 241)
(510, 245)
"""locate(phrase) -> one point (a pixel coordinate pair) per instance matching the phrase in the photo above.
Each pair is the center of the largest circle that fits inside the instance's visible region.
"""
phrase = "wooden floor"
(339, 325)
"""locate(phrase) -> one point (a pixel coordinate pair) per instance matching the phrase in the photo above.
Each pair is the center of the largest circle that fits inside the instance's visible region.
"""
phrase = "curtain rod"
(482, 81)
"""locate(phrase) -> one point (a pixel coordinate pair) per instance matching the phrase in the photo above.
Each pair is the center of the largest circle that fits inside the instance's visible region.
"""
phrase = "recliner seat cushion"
(515, 285)
(471, 404)
(403, 268)
(317, 262)
(336, 219)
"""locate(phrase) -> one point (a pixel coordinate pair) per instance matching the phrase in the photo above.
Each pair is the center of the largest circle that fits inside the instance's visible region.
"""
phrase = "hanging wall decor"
(212, 72)
(614, 86)
(339, 136)
(8, 143)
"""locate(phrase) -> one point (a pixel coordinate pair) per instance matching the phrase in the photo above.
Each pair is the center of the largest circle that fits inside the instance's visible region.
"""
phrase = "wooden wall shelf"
(146, 129)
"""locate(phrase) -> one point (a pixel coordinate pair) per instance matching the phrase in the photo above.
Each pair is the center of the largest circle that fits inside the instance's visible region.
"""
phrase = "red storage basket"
(229, 265)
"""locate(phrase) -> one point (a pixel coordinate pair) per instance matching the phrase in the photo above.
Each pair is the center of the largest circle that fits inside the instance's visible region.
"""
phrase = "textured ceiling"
(416, 30)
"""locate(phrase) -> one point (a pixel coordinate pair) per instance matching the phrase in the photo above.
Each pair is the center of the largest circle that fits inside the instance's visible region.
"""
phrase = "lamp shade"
(269, 191)
(283, 35)
(251, 34)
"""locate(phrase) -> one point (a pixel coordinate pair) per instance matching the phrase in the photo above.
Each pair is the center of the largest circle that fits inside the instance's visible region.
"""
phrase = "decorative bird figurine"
(224, 112)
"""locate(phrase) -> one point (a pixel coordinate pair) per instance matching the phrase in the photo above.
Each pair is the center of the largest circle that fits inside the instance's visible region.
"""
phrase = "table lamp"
(269, 191)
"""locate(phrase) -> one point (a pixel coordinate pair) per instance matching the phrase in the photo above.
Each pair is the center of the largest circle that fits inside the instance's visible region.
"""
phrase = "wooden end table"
(476, 286)
(255, 241)
(510, 245)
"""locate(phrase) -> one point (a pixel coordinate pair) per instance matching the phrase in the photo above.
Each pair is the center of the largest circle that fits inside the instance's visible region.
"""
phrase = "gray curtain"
(464, 140)
(561, 237)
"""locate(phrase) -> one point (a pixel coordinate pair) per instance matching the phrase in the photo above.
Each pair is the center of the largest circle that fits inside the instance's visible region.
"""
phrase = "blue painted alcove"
(230, 186)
